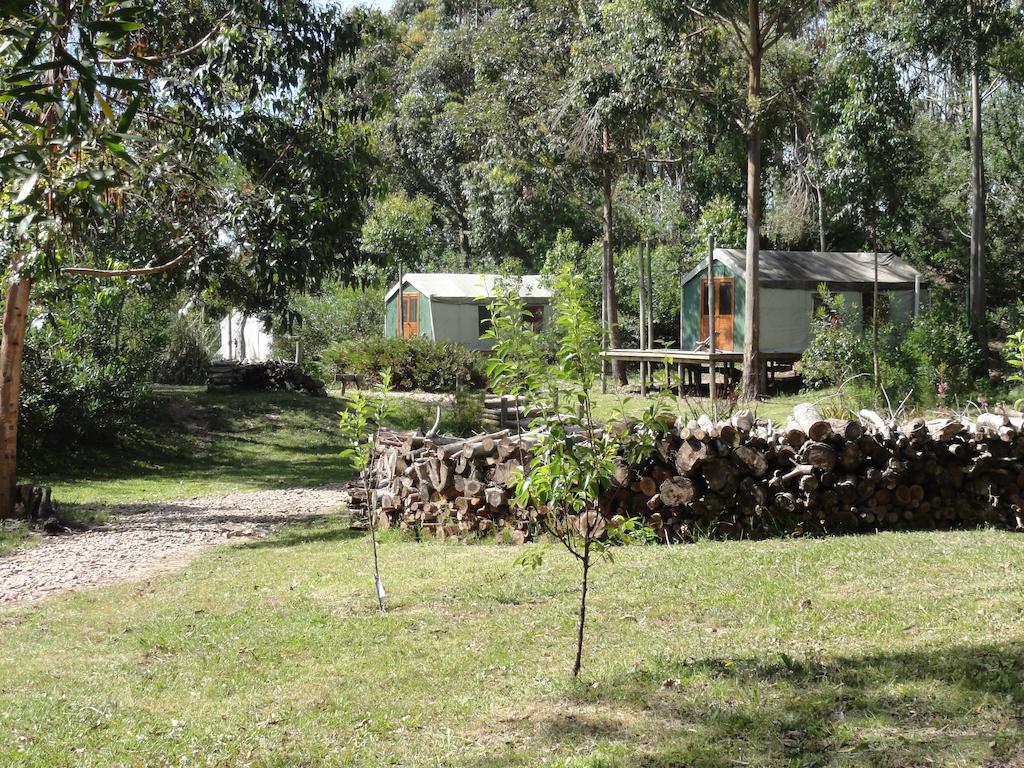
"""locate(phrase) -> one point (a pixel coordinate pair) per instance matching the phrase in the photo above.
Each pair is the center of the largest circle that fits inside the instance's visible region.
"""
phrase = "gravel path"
(145, 539)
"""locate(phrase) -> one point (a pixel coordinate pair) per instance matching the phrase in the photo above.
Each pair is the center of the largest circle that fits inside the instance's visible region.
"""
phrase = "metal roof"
(840, 270)
(441, 286)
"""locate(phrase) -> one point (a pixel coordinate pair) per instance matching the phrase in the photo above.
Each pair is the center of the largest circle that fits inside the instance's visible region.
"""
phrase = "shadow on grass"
(959, 705)
(316, 531)
(266, 440)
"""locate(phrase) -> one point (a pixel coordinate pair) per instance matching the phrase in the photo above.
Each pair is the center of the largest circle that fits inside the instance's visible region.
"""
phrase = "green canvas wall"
(391, 315)
(691, 308)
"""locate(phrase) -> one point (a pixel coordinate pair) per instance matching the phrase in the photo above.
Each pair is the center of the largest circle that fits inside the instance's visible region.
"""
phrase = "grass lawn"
(777, 408)
(193, 443)
(888, 650)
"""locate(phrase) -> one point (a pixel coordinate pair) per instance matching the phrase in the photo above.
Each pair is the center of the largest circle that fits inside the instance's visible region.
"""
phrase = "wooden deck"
(689, 364)
(672, 356)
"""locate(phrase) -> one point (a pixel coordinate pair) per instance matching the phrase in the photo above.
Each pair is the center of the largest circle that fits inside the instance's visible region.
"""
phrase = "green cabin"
(789, 295)
(454, 307)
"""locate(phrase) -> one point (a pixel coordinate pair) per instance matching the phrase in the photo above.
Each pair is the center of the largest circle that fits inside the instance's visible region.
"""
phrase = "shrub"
(941, 355)
(186, 358)
(415, 363)
(337, 312)
(837, 352)
(70, 398)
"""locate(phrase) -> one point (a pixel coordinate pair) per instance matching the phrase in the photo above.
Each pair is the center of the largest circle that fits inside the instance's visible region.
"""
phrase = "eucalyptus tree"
(978, 41)
(614, 84)
(203, 116)
(753, 28)
(864, 117)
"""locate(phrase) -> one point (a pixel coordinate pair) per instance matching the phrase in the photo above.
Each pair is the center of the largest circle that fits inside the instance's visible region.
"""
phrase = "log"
(676, 492)
(810, 421)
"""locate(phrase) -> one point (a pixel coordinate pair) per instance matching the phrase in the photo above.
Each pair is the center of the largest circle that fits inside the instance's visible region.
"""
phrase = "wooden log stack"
(737, 478)
(273, 375)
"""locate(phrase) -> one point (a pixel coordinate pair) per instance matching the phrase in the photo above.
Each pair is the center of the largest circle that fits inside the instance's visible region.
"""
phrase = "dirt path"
(145, 539)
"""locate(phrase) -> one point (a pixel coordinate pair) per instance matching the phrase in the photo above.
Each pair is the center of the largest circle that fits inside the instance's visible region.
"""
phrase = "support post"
(711, 321)
(650, 294)
(917, 296)
(642, 340)
(604, 334)
(400, 315)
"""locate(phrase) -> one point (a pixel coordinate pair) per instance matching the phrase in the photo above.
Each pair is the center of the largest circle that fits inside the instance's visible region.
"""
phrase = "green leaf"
(26, 188)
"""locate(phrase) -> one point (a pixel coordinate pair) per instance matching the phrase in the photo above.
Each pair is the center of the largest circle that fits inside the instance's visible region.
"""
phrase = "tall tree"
(217, 111)
(864, 118)
(966, 38)
(756, 27)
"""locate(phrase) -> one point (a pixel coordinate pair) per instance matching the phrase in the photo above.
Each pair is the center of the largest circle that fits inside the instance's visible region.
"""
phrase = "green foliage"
(941, 355)
(415, 363)
(335, 313)
(186, 358)
(74, 395)
(400, 230)
(359, 423)
(837, 352)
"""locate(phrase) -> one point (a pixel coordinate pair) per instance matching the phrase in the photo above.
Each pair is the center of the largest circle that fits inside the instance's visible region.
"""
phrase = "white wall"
(458, 322)
(461, 323)
(786, 315)
(785, 319)
(257, 340)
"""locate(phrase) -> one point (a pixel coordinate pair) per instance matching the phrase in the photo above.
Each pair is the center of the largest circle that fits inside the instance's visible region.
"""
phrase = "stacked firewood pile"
(233, 376)
(739, 478)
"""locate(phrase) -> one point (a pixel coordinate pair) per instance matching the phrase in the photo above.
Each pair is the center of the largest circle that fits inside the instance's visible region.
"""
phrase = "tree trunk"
(580, 626)
(753, 373)
(465, 248)
(978, 205)
(876, 368)
(11, 349)
(610, 299)
(821, 217)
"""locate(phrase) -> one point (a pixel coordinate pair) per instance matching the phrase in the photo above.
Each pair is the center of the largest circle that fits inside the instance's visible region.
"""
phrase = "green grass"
(14, 534)
(191, 443)
(888, 650)
(777, 408)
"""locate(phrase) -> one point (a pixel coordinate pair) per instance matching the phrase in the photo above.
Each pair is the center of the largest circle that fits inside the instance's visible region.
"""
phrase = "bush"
(415, 363)
(71, 398)
(187, 356)
(836, 353)
(337, 312)
(941, 356)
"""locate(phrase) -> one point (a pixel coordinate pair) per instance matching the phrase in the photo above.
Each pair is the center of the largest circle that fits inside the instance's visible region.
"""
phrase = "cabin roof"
(839, 270)
(454, 287)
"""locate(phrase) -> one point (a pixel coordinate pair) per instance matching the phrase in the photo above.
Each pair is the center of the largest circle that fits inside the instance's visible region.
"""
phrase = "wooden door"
(409, 318)
(725, 298)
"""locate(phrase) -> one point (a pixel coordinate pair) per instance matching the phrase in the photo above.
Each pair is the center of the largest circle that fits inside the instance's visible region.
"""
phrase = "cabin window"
(867, 302)
(483, 319)
(724, 299)
(534, 316)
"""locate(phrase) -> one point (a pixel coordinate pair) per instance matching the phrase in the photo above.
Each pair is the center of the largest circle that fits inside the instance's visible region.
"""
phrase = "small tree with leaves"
(516, 366)
(573, 462)
(360, 425)
(1014, 352)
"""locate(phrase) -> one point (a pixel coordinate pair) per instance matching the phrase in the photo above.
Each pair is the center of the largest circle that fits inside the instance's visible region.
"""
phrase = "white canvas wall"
(786, 317)
(257, 340)
(461, 323)
(458, 322)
